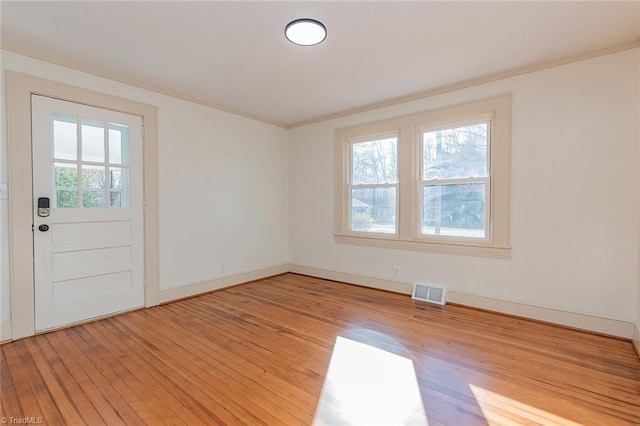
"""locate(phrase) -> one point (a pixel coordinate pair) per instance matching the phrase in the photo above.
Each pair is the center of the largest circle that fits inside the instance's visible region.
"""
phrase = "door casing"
(20, 87)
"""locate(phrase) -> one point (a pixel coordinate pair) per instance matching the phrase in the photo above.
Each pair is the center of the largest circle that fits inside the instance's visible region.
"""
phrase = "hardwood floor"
(293, 350)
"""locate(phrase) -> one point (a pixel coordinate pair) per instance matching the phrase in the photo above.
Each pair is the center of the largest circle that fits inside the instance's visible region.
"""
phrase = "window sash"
(350, 209)
(377, 137)
(486, 181)
(453, 125)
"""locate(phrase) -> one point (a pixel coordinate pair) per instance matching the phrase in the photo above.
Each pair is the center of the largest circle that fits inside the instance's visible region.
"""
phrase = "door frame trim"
(20, 87)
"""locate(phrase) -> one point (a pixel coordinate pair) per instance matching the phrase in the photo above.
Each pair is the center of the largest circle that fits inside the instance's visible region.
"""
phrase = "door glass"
(92, 141)
(65, 137)
(118, 187)
(65, 177)
(118, 143)
(103, 163)
(93, 192)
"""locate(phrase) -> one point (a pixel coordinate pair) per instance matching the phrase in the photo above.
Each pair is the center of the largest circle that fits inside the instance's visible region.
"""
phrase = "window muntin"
(373, 185)
(454, 181)
(90, 163)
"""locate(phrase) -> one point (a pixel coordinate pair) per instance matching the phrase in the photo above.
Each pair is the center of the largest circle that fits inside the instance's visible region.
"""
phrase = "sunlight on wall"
(516, 412)
(368, 385)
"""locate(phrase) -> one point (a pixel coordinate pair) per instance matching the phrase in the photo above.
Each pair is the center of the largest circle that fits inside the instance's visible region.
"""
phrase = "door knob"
(43, 228)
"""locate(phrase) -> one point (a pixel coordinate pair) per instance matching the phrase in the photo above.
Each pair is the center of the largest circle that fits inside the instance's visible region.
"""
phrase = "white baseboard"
(395, 286)
(636, 336)
(598, 324)
(5, 331)
(193, 289)
(593, 323)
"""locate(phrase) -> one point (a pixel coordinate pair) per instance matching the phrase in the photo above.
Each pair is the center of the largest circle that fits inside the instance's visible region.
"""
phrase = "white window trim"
(408, 237)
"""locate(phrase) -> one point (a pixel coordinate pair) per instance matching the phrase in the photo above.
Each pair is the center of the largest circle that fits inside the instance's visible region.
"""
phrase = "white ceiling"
(234, 54)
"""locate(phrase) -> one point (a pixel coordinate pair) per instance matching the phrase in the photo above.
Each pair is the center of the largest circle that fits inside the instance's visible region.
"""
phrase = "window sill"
(494, 252)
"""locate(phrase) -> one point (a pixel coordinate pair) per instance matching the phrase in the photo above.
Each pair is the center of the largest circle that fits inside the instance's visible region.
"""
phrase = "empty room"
(320, 213)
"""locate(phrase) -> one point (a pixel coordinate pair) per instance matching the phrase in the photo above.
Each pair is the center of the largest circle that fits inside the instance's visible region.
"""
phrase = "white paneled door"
(87, 212)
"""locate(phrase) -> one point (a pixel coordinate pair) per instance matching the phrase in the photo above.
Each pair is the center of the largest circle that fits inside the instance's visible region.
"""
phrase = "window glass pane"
(92, 199)
(373, 210)
(455, 153)
(118, 143)
(93, 176)
(65, 137)
(66, 199)
(118, 187)
(374, 161)
(115, 199)
(65, 175)
(93, 179)
(92, 140)
(454, 210)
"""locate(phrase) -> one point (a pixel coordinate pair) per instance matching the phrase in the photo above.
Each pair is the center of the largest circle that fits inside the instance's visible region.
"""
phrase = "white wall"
(574, 195)
(223, 184)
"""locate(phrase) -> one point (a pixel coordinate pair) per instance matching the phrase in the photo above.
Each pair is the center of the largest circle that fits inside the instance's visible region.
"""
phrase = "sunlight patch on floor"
(501, 409)
(366, 385)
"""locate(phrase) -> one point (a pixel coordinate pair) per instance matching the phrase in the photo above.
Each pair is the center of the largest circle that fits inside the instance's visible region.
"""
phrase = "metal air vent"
(429, 293)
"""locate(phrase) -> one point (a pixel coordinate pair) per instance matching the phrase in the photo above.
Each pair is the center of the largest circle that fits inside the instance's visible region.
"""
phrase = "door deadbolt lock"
(43, 228)
(43, 207)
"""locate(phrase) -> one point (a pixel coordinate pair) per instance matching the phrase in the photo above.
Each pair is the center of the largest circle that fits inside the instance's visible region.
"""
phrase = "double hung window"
(454, 180)
(373, 185)
(435, 181)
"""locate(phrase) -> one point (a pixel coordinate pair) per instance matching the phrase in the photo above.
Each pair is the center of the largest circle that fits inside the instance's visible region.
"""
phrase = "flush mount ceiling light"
(305, 32)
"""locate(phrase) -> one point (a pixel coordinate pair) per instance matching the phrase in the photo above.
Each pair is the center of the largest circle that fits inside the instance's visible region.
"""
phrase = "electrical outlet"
(222, 268)
(395, 272)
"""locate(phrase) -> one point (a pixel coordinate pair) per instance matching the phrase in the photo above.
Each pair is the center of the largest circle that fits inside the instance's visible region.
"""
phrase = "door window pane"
(454, 210)
(373, 210)
(115, 199)
(93, 192)
(65, 137)
(456, 153)
(93, 141)
(65, 175)
(65, 186)
(92, 199)
(118, 143)
(93, 176)
(66, 199)
(374, 161)
(118, 187)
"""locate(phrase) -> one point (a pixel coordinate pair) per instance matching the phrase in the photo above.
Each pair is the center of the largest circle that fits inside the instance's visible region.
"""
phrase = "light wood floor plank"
(256, 369)
(9, 403)
(259, 353)
(232, 376)
(66, 387)
(49, 376)
(144, 383)
(192, 405)
(230, 402)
